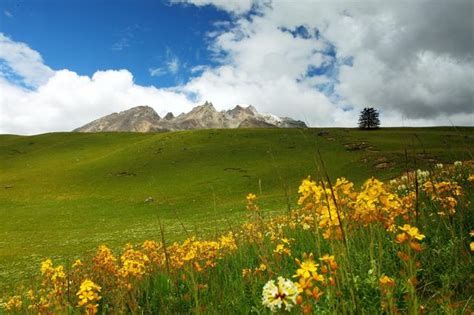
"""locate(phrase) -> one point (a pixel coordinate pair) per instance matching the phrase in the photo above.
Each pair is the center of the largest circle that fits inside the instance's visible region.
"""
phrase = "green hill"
(62, 194)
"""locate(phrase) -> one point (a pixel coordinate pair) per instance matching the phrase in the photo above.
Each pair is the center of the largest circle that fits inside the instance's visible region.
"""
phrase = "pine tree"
(369, 118)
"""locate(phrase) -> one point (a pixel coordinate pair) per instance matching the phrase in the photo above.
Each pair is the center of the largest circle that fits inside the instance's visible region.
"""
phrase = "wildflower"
(13, 304)
(105, 261)
(458, 164)
(77, 263)
(401, 238)
(386, 281)
(471, 245)
(316, 293)
(439, 166)
(282, 250)
(329, 260)
(412, 232)
(415, 246)
(46, 266)
(251, 197)
(307, 267)
(422, 176)
(88, 296)
(280, 295)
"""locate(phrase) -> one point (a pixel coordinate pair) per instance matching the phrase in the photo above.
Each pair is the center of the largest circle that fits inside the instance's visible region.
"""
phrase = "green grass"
(63, 194)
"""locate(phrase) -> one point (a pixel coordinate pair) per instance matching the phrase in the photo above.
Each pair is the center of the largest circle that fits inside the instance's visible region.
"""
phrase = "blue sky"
(65, 63)
(86, 36)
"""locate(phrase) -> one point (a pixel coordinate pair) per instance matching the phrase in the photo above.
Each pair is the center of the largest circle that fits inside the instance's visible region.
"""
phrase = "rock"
(169, 116)
(384, 165)
(323, 133)
(149, 199)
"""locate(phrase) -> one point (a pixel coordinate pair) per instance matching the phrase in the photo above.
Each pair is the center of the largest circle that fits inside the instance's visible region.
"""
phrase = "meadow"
(65, 194)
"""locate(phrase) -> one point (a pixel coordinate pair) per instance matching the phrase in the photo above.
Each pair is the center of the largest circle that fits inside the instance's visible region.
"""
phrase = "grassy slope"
(65, 193)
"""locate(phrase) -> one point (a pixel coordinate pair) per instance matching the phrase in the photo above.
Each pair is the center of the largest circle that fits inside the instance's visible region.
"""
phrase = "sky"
(65, 63)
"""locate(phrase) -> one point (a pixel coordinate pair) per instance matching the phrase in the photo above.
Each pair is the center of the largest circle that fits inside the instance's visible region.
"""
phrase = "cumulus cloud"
(64, 100)
(19, 59)
(318, 61)
(69, 100)
(412, 60)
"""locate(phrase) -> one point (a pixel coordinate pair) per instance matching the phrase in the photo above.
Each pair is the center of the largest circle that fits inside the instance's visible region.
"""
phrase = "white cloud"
(156, 72)
(69, 100)
(8, 14)
(24, 62)
(414, 61)
(233, 6)
(173, 65)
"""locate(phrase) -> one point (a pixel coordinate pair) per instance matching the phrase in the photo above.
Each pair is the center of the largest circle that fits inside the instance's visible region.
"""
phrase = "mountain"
(138, 119)
(205, 116)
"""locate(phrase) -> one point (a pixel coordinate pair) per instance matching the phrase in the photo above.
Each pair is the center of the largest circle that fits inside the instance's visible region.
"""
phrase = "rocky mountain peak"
(169, 116)
(144, 119)
(141, 110)
(206, 107)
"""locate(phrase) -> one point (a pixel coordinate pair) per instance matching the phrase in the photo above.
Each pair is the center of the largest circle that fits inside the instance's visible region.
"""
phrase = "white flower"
(458, 163)
(439, 166)
(422, 176)
(275, 296)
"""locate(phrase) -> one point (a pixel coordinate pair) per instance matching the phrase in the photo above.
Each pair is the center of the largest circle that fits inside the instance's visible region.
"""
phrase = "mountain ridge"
(144, 118)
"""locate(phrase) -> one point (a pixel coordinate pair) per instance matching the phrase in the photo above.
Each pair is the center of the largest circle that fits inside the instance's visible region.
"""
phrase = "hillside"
(65, 193)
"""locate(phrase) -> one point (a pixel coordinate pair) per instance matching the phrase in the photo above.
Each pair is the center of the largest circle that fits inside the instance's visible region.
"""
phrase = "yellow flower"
(472, 246)
(281, 249)
(386, 281)
(401, 238)
(251, 197)
(412, 231)
(262, 267)
(77, 263)
(46, 266)
(13, 304)
(88, 295)
(307, 267)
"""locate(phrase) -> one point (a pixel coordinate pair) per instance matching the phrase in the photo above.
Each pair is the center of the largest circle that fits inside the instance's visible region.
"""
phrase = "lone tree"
(369, 118)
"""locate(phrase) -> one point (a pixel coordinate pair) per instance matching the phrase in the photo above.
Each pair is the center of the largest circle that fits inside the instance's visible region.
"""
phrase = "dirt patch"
(126, 174)
(384, 165)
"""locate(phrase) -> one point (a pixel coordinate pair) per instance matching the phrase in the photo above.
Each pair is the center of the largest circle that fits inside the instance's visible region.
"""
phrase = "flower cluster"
(411, 235)
(279, 295)
(445, 193)
(13, 304)
(88, 295)
(310, 281)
